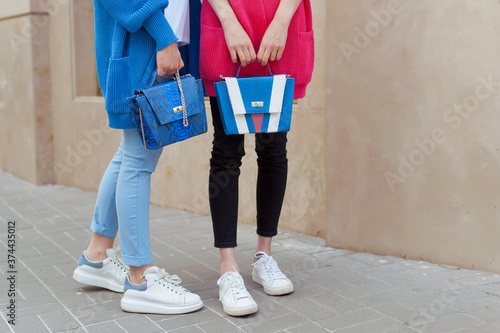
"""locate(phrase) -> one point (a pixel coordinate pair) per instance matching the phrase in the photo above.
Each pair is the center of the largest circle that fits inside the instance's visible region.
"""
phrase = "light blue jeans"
(123, 199)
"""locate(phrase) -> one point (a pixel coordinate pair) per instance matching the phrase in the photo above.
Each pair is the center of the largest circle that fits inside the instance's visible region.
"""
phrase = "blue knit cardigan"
(127, 36)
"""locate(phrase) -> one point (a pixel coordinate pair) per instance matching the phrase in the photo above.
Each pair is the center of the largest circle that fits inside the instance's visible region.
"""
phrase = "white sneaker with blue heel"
(109, 273)
(160, 294)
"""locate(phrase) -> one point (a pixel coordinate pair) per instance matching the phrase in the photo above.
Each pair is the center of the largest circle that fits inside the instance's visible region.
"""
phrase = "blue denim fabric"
(123, 199)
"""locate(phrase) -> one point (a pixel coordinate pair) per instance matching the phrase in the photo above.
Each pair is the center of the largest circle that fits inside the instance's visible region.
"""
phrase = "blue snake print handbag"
(170, 112)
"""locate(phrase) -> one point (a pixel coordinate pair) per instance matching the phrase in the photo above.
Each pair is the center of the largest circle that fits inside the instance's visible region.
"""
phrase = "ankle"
(136, 279)
(224, 268)
(98, 245)
(136, 274)
(96, 254)
(228, 260)
(266, 251)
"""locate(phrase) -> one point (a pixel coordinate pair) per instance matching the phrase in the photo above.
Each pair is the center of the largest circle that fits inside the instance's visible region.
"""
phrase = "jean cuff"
(267, 233)
(96, 228)
(137, 261)
(223, 245)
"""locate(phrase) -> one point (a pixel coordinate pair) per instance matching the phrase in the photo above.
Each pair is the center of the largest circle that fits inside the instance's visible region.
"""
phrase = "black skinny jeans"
(225, 165)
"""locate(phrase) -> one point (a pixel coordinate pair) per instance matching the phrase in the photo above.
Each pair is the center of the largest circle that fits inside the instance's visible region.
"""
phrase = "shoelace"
(236, 285)
(270, 265)
(173, 281)
(117, 259)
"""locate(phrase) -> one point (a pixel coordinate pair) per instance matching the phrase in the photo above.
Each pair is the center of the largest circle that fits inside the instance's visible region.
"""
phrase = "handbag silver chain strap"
(183, 101)
(142, 129)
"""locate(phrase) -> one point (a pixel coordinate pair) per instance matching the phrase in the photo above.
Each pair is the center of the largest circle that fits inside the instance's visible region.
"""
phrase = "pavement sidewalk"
(336, 290)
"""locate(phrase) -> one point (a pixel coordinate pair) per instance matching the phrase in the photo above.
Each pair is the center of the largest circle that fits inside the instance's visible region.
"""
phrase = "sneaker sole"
(238, 312)
(141, 306)
(97, 281)
(273, 291)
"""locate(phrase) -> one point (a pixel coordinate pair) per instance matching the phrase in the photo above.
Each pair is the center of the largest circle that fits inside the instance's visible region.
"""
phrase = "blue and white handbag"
(259, 104)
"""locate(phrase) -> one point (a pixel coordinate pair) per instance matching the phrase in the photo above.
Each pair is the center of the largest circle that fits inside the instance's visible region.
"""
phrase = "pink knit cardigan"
(255, 16)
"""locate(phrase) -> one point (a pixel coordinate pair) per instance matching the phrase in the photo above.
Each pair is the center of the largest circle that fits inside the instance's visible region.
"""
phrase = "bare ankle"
(264, 245)
(224, 268)
(96, 255)
(266, 251)
(137, 280)
(228, 260)
(136, 275)
(96, 250)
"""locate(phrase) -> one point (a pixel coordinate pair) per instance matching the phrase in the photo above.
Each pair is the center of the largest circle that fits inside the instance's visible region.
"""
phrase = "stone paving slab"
(336, 290)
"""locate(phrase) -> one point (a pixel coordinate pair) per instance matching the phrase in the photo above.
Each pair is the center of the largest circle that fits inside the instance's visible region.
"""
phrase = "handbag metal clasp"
(178, 109)
(258, 104)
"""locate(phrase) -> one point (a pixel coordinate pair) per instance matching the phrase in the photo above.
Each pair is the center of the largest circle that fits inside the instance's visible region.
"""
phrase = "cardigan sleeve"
(159, 28)
(134, 14)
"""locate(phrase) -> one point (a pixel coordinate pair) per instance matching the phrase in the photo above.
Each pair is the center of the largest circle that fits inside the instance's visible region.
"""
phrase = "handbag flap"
(254, 95)
(165, 99)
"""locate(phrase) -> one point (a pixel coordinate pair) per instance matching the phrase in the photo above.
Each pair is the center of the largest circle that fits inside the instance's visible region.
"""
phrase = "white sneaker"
(267, 273)
(161, 294)
(109, 273)
(235, 298)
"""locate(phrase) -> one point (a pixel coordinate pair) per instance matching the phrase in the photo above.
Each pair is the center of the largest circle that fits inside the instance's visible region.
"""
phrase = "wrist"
(227, 18)
(283, 18)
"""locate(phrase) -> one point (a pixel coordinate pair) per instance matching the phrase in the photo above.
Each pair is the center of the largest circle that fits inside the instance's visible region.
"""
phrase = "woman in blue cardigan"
(132, 39)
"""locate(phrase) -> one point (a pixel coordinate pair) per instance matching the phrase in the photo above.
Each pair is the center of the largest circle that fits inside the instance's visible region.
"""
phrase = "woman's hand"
(237, 40)
(273, 42)
(169, 60)
(239, 44)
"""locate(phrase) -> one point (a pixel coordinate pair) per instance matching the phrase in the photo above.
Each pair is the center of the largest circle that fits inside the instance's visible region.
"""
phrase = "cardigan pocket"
(215, 59)
(305, 58)
(118, 86)
(149, 74)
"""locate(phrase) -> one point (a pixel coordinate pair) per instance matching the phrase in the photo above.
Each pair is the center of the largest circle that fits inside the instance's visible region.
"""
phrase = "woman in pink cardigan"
(253, 33)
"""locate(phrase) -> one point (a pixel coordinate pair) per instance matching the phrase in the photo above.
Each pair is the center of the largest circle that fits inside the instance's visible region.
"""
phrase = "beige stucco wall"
(25, 93)
(376, 100)
(391, 94)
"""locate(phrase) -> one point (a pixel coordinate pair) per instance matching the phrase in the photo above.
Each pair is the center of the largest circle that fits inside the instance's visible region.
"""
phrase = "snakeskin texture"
(162, 125)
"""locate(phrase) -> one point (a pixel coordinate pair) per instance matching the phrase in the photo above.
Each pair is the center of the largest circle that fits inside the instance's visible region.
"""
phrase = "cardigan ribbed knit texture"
(127, 36)
(255, 16)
